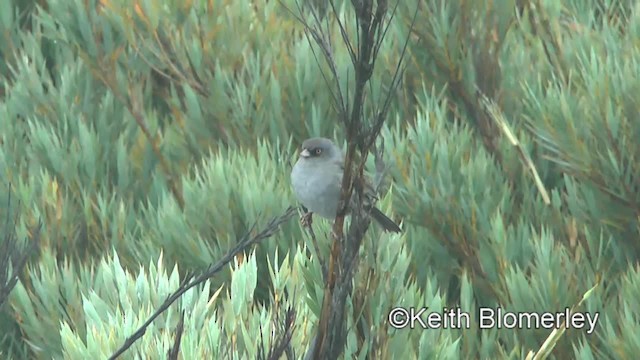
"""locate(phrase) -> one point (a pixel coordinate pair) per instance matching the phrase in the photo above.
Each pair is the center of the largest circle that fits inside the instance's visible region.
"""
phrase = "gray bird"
(317, 181)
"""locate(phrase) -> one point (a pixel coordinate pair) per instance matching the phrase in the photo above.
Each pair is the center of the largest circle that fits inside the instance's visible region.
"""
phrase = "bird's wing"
(369, 189)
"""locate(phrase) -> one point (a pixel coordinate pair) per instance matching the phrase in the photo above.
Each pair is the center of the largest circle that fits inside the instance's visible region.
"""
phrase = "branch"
(307, 221)
(323, 40)
(281, 340)
(191, 281)
(372, 24)
(12, 258)
(495, 113)
(175, 349)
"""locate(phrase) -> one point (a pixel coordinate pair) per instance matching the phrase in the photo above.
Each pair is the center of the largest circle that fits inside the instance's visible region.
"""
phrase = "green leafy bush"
(152, 135)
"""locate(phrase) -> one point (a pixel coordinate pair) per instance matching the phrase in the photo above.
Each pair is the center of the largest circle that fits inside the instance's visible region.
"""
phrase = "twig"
(307, 221)
(11, 256)
(371, 29)
(556, 334)
(175, 349)
(325, 46)
(281, 340)
(316, 248)
(191, 281)
(502, 124)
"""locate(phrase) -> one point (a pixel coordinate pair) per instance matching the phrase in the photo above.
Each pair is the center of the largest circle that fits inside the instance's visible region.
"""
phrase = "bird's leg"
(306, 218)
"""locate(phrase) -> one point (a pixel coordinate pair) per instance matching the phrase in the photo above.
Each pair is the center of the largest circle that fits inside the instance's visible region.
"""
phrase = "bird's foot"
(306, 219)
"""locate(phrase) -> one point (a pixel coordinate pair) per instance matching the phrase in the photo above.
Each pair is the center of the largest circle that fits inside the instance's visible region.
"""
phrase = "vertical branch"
(173, 353)
(13, 257)
(371, 19)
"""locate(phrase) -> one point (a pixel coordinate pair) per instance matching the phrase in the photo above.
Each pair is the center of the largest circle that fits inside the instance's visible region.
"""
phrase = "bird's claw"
(306, 219)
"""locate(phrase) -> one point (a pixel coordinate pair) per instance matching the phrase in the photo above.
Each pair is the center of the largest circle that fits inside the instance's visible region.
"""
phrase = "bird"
(316, 179)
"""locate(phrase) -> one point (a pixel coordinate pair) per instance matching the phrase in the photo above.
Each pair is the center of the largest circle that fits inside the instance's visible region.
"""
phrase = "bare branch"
(371, 19)
(175, 349)
(191, 281)
(395, 81)
(496, 115)
(13, 258)
(324, 44)
(307, 224)
(345, 36)
(281, 340)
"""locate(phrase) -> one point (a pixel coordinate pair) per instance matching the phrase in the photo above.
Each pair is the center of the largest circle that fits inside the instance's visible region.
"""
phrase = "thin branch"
(191, 281)
(553, 338)
(307, 221)
(316, 248)
(395, 80)
(329, 341)
(281, 340)
(175, 349)
(12, 258)
(325, 47)
(495, 113)
(343, 33)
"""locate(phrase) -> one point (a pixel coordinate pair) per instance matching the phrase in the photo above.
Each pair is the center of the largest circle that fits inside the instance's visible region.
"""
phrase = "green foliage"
(100, 308)
(151, 135)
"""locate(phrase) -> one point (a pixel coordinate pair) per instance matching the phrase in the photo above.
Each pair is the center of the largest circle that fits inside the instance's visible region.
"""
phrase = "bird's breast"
(316, 188)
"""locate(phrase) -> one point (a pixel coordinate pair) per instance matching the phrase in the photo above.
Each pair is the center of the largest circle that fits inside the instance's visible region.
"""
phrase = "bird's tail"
(384, 221)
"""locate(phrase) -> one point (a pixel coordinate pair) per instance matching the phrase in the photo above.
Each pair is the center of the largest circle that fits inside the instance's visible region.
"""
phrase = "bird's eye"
(317, 151)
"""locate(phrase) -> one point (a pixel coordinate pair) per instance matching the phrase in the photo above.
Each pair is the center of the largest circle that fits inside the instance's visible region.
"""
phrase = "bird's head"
(316, 149)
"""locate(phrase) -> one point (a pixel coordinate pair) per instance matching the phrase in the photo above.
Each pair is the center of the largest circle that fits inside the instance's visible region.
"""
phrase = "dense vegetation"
(140, 140)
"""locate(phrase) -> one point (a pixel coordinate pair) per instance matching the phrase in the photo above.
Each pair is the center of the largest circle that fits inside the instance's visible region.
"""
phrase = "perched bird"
(317, 182)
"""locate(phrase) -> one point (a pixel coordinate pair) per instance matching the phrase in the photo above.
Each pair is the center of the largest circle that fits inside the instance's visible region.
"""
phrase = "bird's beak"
(305, 153)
